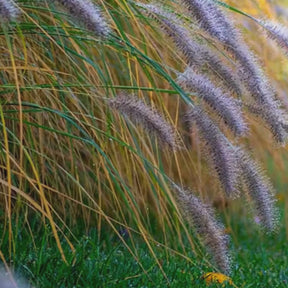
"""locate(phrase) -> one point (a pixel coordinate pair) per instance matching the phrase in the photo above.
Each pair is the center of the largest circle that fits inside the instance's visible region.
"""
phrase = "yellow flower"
(280, 198)
(213, 277)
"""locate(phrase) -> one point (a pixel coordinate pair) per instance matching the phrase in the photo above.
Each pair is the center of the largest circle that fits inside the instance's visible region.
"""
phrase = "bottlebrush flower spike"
(86, 12)
(201, 217)
(197, 55)
(8, 11)
(226, 107)
(170, 24)
(276, 32)
(261, 91)
(275, 121)
(212, 20)
(139, 113)
(260, 190)
(253, 76)
(220, 152)
(215, 22)
(227, 76)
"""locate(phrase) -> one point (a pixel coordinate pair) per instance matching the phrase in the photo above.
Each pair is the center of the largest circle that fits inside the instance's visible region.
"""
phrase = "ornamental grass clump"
(88, 14)
(248, 69)
(215, 22)
(150, 119)
(56, 83)
(8, 11)
(201, 217)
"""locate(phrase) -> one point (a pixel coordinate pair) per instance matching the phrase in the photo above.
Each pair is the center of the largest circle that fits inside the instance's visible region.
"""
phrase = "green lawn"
(259, 261)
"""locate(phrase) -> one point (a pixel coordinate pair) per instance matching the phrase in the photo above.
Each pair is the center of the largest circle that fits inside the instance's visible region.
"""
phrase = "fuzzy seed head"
(253, 77)
(224, 73)
(275, 120)
(212, 20)
(173, 28)
(260, 190)
(266, 105)
(225, 106)
(8, 11)
(196, 55)
(220, 153)
(86, 12)
(11, 281)
(276, 32)
(139, 113)
(201, 217)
